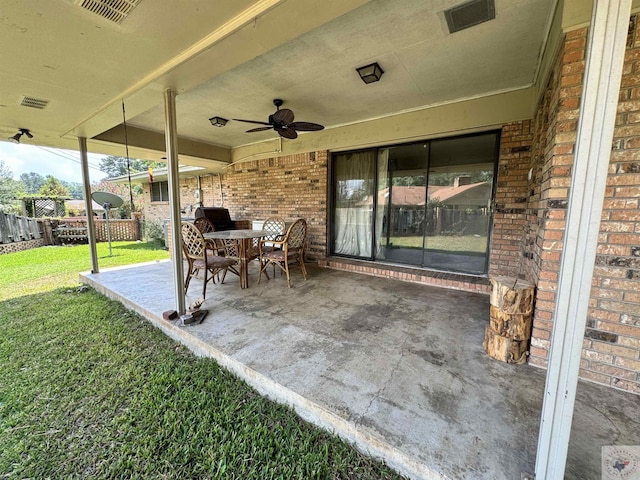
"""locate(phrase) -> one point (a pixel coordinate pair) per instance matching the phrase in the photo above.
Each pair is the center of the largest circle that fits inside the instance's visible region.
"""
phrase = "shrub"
(152, 231)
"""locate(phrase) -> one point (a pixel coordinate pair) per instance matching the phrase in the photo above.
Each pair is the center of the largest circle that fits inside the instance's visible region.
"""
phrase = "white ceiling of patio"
(231, 58)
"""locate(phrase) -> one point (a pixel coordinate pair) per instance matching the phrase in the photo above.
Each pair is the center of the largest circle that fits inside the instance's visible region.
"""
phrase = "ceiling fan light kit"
(282, 122)
(17, 136)
(218, 121)
(370, 73)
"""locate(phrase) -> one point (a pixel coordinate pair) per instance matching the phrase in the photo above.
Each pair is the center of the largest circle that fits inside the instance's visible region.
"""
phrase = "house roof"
(80, 205)
(412, 195)
(158, 174)
(232, 58)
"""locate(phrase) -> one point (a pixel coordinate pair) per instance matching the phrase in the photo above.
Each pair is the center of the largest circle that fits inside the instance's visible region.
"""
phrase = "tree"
(117, 166)
(9, 190)
(53, 188)
(123, 192)
(75, 189)
(32, 181)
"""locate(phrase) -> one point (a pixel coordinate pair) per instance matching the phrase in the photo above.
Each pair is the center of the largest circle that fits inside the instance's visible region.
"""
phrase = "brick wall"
(290, 187)
(511, 199)
(24, 245)
(611, 353)
(155, 212)
(555, 136)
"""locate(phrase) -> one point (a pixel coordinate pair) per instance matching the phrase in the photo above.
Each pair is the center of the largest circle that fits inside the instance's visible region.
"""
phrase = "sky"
(62, 164)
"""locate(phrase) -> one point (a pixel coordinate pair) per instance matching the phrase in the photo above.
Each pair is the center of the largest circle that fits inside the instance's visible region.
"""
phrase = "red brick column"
(611, 352)
(511, 199)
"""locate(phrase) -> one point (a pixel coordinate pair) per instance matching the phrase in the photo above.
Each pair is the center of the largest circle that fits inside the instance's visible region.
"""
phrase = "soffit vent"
(113, 10)
(33, 102)
(469, 14)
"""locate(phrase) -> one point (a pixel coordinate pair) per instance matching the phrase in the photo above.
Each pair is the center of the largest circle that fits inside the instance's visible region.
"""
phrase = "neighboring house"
(156, 192)
(474, 195)
(77, 207)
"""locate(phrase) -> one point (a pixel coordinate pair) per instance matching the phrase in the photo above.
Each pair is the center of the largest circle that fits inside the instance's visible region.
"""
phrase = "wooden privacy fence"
(15, 228)
(439, 221)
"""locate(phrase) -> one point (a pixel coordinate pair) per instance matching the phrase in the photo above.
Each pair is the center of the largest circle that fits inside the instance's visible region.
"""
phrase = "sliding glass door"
(404, 201)
(460, 192)
(354, 177)
(426, 204)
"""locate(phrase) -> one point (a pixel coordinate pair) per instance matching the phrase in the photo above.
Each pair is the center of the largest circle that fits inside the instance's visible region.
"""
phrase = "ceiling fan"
(282, 122)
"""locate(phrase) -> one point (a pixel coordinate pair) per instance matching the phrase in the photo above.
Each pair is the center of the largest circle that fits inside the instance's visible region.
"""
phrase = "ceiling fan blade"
(251, 121)
(286, 132)
(283, 116)
(305, 126)
(259, 129)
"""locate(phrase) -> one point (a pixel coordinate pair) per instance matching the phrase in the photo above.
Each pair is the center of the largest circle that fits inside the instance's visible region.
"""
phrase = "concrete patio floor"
(395, 368)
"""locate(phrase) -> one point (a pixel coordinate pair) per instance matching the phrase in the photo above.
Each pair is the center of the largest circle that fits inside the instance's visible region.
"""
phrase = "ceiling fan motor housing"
(282, 122)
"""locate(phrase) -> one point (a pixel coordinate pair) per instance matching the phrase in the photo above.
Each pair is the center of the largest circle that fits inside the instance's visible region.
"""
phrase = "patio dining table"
(244, 239)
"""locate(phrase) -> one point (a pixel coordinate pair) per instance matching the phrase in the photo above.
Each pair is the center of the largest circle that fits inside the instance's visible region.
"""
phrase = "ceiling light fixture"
(370, 73)
(218, 121)
(17, 136)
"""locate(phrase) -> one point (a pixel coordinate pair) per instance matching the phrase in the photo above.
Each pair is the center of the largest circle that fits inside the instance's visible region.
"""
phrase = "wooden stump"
(507, 336)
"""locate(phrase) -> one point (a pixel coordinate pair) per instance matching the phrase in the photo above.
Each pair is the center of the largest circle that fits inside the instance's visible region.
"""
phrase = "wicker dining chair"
(289, 249)
(274, 228)
(200, 258)
(205, 226)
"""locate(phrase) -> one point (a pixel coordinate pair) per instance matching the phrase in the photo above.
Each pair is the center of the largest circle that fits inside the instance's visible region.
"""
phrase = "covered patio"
(554, 83)
(394, 367)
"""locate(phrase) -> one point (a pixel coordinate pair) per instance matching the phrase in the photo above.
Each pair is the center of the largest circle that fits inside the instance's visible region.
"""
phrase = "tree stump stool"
(507, 336)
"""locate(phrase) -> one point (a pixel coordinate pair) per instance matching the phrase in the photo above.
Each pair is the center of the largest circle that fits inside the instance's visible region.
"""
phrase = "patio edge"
(366, 442)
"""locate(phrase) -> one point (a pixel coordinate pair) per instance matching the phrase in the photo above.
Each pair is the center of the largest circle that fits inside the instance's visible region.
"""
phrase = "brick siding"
(290, 187)
(611, 348)
(511, 199)
(20, 246)
(611, 353)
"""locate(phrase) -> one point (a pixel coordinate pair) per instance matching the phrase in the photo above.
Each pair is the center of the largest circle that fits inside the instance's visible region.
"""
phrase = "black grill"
(218, 216)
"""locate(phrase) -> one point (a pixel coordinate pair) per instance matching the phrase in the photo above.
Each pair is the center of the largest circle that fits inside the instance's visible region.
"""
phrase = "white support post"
(605, 56)
(86, 183)
(171, 139)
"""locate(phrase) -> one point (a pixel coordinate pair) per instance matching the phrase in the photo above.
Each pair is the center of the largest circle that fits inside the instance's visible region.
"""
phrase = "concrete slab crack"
(386, 383)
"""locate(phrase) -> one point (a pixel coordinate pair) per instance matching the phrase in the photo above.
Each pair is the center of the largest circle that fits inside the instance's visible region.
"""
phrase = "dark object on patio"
(285, 251)
(282, 122)
(192, 318)
(218, 216)
(507, 336)
(170, 315)
(199, 258)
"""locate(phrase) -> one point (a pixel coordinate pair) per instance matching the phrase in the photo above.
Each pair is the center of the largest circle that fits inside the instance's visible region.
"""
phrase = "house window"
(426, 204)
(159, 191)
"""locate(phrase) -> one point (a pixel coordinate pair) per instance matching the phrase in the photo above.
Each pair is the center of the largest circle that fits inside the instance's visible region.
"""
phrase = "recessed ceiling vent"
(469, 14)
(113, 10)
(33, 102)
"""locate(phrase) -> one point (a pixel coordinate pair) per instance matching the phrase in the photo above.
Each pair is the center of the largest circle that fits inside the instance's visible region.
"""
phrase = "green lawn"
(91, 390)
(38, 269)
(450, 243)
